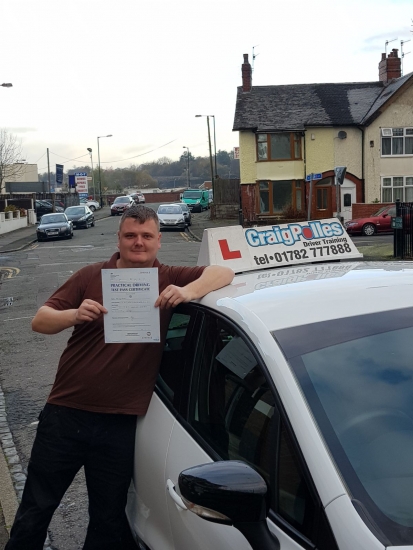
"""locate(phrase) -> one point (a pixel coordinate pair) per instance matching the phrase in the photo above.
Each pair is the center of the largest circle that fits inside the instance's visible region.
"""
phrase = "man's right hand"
(51, 321)
(89, 310)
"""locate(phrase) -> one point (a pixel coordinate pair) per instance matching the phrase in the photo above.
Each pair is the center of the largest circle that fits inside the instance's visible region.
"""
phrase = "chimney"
(246, 75)
(391, 67)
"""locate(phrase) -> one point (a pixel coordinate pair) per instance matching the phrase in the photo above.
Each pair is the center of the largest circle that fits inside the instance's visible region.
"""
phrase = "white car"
(283, 411)
(92, 204)
(171, 216)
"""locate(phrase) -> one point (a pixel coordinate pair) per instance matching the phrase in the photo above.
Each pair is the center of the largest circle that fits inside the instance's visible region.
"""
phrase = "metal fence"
(403, 230)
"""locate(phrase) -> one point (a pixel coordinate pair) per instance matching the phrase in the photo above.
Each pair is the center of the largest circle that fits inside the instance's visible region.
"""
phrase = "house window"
(396, 141)
(397, 187)
(275, 196)
(285, 146)
(322, 198)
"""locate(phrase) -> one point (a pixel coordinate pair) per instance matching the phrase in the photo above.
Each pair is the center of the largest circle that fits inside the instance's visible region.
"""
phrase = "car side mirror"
(231, 493)
(384, 215)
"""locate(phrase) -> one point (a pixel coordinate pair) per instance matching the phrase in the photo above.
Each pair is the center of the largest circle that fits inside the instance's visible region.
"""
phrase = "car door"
(147, 501)
(385, 220)
(230, 411)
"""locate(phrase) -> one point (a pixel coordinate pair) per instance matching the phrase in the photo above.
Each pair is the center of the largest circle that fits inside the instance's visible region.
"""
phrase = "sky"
(141, 70)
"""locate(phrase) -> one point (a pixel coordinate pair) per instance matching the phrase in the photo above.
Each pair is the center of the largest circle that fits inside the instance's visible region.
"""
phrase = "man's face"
(138, 243)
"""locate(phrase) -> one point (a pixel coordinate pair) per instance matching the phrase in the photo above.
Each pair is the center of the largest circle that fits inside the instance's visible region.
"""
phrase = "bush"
(291, 213)
(10, 208)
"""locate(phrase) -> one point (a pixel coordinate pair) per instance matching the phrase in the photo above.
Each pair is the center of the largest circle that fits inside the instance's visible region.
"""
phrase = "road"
(29, 360)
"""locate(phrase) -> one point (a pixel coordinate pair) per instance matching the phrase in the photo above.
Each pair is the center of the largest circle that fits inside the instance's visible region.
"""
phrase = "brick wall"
(364, 210)
(248, 202)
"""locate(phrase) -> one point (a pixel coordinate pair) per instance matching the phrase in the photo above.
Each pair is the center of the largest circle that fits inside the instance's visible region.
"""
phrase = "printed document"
(129, 295)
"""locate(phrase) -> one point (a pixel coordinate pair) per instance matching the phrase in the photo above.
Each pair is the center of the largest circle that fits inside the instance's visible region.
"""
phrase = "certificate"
(129, 295)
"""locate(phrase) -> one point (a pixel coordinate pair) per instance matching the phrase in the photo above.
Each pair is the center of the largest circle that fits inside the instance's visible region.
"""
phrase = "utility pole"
(210, 159)
(48, 169)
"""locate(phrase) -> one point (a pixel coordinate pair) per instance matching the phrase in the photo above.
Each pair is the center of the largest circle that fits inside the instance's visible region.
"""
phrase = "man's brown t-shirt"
(108, 378)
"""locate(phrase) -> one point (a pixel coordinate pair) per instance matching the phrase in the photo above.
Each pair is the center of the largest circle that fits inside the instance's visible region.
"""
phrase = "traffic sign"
(314, 177)
(80, 173)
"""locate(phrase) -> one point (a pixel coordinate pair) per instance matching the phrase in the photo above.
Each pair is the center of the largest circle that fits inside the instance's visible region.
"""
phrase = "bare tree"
(10, 155)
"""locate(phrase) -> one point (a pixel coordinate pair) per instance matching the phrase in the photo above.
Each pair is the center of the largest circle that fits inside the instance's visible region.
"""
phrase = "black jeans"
(66, 440)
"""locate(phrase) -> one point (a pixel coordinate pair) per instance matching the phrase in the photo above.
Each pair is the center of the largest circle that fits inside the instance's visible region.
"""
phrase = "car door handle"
(170, 487)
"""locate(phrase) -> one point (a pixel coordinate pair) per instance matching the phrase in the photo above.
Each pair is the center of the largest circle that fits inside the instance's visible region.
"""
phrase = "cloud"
(21, 130)
(395, 35)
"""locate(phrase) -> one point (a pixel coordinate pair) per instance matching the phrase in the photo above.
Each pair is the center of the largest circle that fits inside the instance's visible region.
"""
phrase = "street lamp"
(93, 174)
(100, 181)
(188, 179)
(6, 85)
(213, 178)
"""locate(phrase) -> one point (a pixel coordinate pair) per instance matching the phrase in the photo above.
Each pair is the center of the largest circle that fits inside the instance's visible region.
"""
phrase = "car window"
(53, 219)
(232, 408)
(178, 350)
(75, 210)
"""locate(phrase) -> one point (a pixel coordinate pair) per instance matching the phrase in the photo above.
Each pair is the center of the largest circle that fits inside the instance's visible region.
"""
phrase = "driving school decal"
(277, 245)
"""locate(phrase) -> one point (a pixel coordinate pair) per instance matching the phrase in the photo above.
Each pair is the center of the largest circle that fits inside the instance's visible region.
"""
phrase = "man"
(90, 416)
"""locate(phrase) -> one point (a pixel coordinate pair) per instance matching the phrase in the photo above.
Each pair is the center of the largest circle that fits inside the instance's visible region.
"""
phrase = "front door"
(348, 197)
(322, 199)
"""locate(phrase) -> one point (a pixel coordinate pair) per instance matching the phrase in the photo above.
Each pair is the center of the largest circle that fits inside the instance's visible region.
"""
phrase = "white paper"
(237, 357)
(129, 295)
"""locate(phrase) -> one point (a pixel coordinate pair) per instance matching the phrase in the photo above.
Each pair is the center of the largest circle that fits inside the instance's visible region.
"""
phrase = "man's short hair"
(141, 214)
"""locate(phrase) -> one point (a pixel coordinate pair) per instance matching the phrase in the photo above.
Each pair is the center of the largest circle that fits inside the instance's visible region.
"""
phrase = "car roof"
(308, 293)
(169, 204)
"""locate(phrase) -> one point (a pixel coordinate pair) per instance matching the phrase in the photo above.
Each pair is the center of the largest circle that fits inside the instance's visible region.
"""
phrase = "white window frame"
(394, 185)
(389, 134)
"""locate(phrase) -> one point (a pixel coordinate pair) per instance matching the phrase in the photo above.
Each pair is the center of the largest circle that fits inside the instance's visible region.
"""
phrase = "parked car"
(92, 204)
(53, 226)
(139, 198)
(171, 216)
(283, 409)
(187, 213)
(120, 204)
(44, 207)
(80, 216)
(196, 199)
(376, 223)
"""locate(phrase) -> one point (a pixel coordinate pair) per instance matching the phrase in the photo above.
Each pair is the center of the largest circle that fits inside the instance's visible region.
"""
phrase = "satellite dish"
(342, 134)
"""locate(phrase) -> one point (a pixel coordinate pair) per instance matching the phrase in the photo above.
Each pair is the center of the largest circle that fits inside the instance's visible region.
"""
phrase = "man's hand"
(51, 321)
(89, 310)
(172, 296)
(213, 277)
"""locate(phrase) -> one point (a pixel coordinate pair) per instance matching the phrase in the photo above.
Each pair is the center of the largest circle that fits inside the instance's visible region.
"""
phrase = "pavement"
(22, 238)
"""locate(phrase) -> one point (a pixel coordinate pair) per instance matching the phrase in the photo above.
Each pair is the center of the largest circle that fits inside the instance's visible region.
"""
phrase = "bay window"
(275, 196)
(282, 146)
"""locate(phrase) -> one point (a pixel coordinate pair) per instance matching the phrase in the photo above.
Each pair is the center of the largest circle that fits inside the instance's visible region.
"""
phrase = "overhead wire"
(108, 161)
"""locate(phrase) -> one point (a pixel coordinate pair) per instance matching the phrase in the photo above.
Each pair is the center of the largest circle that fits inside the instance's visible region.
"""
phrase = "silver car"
(171, 216)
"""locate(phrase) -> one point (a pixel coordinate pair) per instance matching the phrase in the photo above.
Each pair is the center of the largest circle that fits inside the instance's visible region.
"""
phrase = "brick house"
(289, 131)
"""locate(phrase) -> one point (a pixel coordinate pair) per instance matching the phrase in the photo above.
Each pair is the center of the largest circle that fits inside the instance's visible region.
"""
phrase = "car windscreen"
(169, 210)
(192, 195)
(121, 199)
(53, 218)
(184, 207)
(357, 377)
(380, 211)
(75, 211)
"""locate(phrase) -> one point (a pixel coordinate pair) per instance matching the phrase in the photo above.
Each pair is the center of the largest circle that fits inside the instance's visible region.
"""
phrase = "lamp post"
(6, 85)
(188, 179)
(93, 174)
(213, 178)
(100, 181)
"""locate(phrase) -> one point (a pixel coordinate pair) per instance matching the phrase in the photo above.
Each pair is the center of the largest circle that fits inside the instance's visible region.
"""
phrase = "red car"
(120, 205)
(376, 223)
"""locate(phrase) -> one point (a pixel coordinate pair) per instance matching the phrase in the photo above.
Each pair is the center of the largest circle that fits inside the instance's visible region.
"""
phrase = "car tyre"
(92, 224)
(369, 229)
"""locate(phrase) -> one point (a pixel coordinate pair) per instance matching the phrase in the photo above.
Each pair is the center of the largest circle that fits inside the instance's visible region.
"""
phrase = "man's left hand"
(172, 296)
